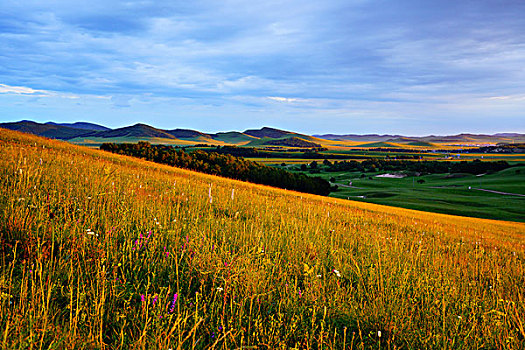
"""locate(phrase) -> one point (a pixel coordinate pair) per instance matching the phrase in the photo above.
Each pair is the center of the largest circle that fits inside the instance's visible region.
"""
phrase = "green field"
(440, 193)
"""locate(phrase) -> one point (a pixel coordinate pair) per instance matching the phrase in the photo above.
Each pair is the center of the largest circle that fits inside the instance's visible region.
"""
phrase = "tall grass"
(105, 251)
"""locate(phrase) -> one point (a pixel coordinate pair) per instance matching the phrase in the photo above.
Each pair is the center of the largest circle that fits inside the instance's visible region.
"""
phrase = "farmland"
(100, 250)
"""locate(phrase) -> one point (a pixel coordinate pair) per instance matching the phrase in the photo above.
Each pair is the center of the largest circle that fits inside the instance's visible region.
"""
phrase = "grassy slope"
(253, 266)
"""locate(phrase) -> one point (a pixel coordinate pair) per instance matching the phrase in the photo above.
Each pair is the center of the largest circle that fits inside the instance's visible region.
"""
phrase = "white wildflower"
(337, 273)
(220, 289)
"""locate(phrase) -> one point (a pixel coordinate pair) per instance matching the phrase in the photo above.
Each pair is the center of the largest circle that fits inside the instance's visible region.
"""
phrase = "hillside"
(101, 250)
(82, 125)
(291, 142)
(137, 130)
(46, 130)
(233, 137)
(268, 132)
(188, 134)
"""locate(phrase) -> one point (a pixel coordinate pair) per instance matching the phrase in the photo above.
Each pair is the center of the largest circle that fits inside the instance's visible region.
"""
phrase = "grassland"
(104, 251)
(457, 194)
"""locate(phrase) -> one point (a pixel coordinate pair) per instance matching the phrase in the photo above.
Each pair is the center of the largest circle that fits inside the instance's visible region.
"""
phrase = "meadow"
(105, 251)
(500, 195)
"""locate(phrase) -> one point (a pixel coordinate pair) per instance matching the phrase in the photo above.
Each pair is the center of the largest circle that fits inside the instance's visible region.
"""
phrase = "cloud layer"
(333, 66)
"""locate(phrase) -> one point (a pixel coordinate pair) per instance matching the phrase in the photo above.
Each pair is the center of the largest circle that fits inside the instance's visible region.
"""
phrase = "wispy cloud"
(283, 99)
(512, 98)
(22, 90)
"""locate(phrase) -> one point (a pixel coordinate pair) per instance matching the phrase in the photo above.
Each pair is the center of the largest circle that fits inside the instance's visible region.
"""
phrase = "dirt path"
(498, 192)
(347, 186)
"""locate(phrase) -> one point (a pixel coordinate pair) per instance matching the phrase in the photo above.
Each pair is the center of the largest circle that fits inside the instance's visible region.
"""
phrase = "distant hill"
(355, 137)
(187, 134)
(378, 144)
(292, 142)
(137, 130)
(47, 130)
(233, 137)
(464, 138)
(82, 125)
(268, 132)
(92, 134)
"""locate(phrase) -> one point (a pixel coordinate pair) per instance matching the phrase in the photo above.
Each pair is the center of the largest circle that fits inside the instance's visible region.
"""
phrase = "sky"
(333, 66)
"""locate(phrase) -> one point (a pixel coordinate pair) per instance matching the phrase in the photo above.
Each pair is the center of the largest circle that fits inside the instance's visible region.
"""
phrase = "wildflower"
(220, 289)
(319, 276)
(172, 309)
(142, 297)
(89, 232)
(379, 334)
(337, 273)
(155, 299)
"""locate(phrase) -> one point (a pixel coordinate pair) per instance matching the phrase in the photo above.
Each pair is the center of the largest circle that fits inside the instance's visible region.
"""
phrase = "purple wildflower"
(172, 309)
(155, 299)
(142, 297)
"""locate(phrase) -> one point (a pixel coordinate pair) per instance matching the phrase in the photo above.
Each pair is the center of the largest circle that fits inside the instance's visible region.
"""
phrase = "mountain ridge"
(78, 131)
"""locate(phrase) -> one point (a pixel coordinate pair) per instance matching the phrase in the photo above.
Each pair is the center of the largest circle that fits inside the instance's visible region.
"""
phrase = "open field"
(104, 251)
(441, 193)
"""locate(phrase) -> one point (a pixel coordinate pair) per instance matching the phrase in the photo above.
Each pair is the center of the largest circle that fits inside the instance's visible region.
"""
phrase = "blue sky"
(354, 66)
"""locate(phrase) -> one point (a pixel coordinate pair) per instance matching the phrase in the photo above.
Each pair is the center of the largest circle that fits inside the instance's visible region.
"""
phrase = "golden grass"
(104, 251)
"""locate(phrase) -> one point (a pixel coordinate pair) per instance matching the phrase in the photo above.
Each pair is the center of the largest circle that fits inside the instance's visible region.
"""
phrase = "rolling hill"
(88, 133)
(82, 125)
(269, 133)
(47, 130)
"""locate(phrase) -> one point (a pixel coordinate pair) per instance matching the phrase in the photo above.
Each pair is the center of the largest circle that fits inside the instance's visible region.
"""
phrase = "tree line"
(424, 167)
(222, 165)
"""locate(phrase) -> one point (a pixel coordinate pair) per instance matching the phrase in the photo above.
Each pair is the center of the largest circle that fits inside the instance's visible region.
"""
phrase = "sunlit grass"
(100, 250)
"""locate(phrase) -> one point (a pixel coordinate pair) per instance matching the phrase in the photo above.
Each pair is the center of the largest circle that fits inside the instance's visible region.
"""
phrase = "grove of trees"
(224, 165)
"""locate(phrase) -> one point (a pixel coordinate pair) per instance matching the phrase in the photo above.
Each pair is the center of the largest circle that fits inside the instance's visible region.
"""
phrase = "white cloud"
(283, 99)
(24, 90)
(513, 98)
(20, 90)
